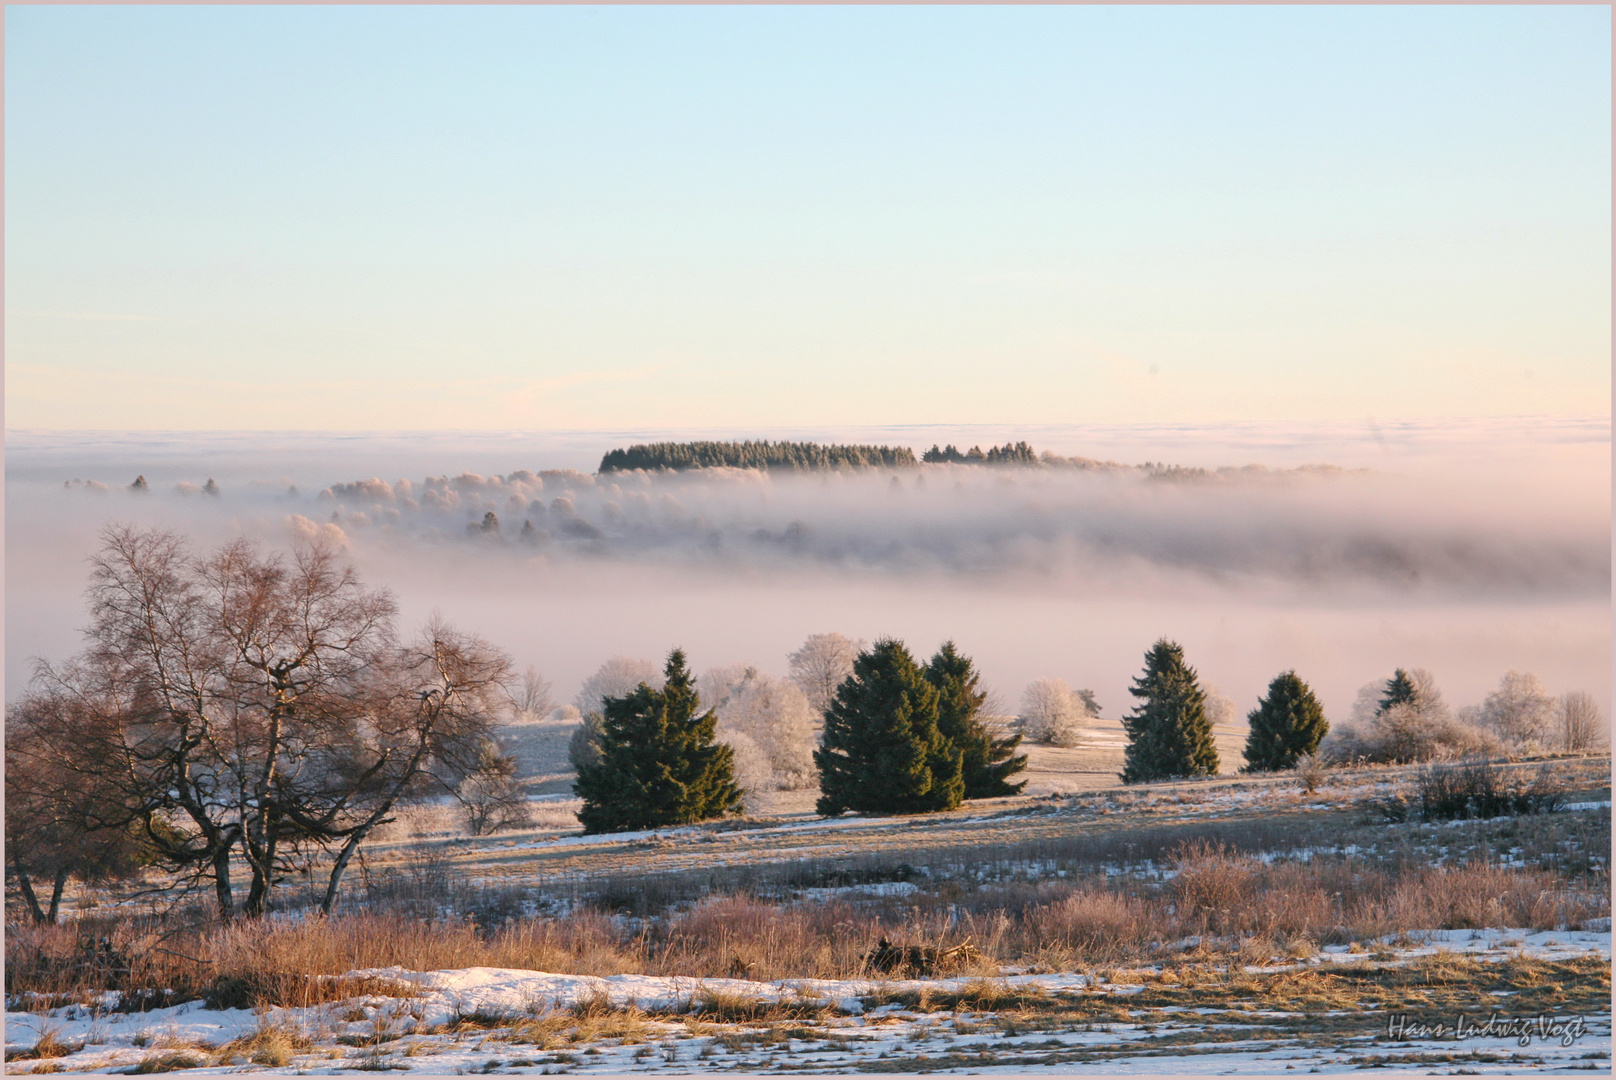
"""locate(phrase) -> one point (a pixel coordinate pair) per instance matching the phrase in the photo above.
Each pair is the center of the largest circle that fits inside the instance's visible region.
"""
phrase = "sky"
(522, 218)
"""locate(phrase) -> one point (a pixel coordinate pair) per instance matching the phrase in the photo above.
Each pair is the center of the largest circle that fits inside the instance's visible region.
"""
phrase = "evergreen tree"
(1169, 734)
(1401, 689)
(658, 762)
(988, 762)
(882, 752)
(1286, 725)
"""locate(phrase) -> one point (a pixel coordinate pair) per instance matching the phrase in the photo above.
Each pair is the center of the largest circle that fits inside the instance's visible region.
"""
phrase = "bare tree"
(1581, 725)
(491, 796)
(535, 697)
(246, 707)
(56, 826)
(1053, 713)
(821, 665)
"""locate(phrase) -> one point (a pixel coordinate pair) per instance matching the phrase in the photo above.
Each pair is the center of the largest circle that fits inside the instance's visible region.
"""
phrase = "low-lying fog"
(1466, 549)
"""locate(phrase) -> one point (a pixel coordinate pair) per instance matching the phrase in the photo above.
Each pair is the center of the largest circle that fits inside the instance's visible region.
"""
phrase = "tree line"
(808, 456)
(801, 456)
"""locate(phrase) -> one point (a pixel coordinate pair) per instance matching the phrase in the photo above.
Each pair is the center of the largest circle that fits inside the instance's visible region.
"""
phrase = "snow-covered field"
(499, 1020)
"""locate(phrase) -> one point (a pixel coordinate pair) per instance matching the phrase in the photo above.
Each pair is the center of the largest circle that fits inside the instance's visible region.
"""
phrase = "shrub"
(1477, 789)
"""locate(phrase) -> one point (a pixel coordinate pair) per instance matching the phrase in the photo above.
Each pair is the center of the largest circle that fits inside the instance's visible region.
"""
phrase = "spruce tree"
(988, 762)
(1286, 725)
(1169, 734)
(882, 752)
(658, 762)
(1400, 690)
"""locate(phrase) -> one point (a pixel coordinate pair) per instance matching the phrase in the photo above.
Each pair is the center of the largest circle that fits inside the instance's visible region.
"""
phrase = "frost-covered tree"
(491, 796)
(773, 716)
(821, 665)
(534, 698)
(1520, 711)
(1404, 719)
(616, 677)
(1220, 708)
(1053, 713)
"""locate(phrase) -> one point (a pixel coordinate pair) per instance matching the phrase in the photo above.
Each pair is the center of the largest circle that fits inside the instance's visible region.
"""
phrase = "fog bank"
(1465, 549)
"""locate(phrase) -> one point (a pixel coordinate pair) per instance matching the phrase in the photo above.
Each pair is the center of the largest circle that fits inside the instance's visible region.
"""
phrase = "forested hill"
(752, 455)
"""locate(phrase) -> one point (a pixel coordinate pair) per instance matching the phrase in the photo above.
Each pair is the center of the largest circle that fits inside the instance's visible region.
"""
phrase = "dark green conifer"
(658, 763)
(1400, 690)
(1169, 734)
(1285, 725)
(882, 752)
(988, 762)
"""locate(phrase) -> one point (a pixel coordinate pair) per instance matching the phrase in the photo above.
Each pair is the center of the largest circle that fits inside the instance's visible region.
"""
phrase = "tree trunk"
(335, 881)
(56, 894)
(221, 884)
(262, 864)
(25, 885)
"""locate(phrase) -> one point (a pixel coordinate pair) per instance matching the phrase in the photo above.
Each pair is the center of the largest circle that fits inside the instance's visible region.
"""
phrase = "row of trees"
(1009, 454)
(1405, 719)
(754, 455)
(898, 738)
(901, 737)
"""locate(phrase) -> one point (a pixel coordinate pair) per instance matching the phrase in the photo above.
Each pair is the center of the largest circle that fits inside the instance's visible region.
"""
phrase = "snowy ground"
(497, 1020)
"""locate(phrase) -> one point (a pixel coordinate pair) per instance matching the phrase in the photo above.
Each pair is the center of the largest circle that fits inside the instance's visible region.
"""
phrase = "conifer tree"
(882, 752)
(1169, 734)
(988, 762)
(658, 762)
(1287, 724)
(1401, 689)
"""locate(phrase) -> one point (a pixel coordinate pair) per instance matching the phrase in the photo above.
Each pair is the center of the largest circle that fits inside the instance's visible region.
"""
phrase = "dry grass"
(49, 1044)
(1279, 909)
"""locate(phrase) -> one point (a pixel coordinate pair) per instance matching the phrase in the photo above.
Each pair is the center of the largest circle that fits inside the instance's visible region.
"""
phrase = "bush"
(1477, 789)
(583, 747)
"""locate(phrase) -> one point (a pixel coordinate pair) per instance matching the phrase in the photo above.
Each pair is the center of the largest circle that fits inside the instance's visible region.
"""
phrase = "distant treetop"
(753, 455)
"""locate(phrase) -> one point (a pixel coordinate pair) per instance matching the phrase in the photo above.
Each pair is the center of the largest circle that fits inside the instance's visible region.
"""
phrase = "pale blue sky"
(519, 217)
